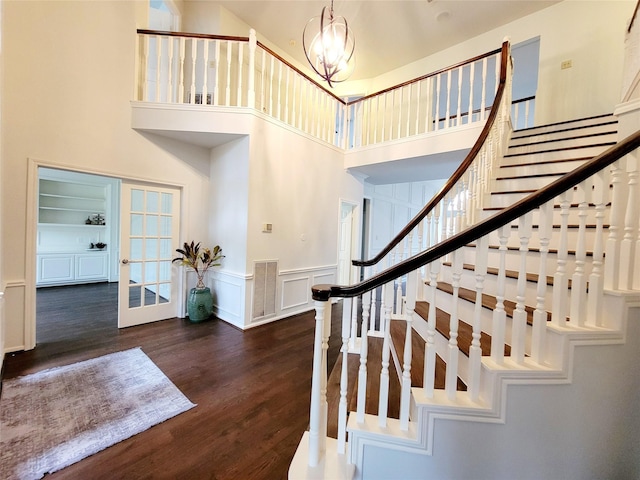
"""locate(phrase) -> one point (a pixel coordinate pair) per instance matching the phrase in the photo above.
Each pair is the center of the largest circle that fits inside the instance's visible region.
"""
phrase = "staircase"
(506, 309)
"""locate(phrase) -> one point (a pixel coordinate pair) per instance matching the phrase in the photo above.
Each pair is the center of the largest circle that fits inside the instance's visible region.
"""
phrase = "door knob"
(125, 261)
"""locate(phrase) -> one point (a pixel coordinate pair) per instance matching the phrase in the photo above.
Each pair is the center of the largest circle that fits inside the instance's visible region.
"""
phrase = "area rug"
(51, 419)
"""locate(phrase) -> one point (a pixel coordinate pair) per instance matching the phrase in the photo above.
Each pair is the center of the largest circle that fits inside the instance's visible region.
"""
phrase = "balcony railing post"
(251, 87)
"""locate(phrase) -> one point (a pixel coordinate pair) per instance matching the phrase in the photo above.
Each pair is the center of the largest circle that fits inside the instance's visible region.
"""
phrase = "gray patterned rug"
(51, 419)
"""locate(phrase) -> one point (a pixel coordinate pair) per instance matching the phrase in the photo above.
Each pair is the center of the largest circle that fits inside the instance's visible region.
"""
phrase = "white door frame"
(355, 236)
(32, 231)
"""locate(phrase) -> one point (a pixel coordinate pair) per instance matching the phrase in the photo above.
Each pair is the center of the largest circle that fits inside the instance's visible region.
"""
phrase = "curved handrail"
(632, 142)
(457, 175)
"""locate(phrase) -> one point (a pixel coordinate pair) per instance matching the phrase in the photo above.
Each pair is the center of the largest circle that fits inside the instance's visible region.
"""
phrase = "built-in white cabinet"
(75, 212)
(63, 268)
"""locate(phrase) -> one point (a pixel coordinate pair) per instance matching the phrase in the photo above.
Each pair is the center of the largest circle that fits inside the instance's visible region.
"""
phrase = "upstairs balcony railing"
(224, 71)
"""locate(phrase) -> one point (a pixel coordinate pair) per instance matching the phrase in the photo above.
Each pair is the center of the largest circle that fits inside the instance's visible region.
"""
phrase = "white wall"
(68, 78)
(280, 176)
(590, 33)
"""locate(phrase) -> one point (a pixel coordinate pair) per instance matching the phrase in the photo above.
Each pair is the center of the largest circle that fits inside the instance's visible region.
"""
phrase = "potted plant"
(200, 302)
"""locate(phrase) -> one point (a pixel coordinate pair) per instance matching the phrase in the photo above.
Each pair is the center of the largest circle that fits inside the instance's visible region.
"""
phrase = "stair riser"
(518, 138)
(565, 126)
(539, 168)
(466, 309)
(490, 287)
(587, 152)
(559, 144)
(512, 261)
(572, 219)
(534, 240)
(523, 183)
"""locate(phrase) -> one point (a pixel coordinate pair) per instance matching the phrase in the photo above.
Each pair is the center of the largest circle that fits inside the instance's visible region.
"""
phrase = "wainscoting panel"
(296, 292)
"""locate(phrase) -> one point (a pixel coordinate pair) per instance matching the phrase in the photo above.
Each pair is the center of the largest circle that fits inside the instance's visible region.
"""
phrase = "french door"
(149, 227)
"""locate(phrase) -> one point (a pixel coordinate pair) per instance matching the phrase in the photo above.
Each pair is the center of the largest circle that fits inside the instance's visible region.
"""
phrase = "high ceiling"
(389, 33)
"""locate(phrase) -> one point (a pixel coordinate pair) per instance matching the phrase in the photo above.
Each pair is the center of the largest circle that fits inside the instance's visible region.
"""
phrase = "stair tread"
(488, 301)
(562, 149)
(562, 139)
(464, 330)
(398, 331)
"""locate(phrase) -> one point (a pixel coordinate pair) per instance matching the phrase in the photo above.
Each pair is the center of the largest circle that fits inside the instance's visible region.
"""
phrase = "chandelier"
(329, 45)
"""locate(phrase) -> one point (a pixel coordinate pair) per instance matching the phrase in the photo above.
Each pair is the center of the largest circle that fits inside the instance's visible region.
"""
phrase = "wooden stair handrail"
(460, 171)
(324, 292)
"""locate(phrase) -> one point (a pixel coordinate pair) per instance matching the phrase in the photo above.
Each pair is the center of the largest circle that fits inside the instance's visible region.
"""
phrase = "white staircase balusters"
(158, 45)
(595, 292)
(430, 344)
(205, 70)
(405, 393)
(578, 281)
(251, 94)
(499, 313)
(344, 378)
(383, 403)
(519, 321)
(170, 70)
(192, 87)
(453, 351)
(362, 370)
(227, 97)
(354, 321)
(316, 418)
(628, 243)
(560, 278)
(216, 86)
(475, 350)
(538, 335)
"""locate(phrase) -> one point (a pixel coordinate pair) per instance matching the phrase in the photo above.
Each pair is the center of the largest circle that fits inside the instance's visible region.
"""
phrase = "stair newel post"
(316, 443)
(594, 295)
(344, 377)
(364, 349)
(627, 245)
(253, 44)
(405, 395)
(430, 347)
(540, 315)
(475, 350)
(499, 314)
(612, 252)
(383, 404)
(451, 381)
(519, 323)
(560, 278)
(578, 287)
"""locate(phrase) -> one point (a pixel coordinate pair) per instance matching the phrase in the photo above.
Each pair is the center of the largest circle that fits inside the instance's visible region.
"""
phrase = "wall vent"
(264, 289)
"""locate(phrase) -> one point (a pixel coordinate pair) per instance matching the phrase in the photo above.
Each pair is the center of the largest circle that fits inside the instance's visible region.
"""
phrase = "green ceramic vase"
(199, 304)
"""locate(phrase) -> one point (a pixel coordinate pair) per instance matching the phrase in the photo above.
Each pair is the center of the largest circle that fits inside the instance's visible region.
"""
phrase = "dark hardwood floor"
(252, 388)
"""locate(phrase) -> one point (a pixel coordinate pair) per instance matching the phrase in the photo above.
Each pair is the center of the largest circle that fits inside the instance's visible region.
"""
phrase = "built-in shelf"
(70, 203)
(65, 201)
